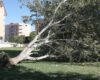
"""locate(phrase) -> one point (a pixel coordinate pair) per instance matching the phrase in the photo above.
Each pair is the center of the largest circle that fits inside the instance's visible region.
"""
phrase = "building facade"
(17, 29)
(24, 29)
(2, 17)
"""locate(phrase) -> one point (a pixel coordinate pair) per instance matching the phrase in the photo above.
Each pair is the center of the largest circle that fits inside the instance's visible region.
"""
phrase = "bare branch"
(37, 58)
(61, 19)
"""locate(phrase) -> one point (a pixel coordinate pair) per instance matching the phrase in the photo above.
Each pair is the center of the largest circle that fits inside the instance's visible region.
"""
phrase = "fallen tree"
(37, 42)
(25, 54)
(77, 27)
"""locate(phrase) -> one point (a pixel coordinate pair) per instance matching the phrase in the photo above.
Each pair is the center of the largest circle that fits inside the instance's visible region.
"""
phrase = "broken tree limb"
(37, 58)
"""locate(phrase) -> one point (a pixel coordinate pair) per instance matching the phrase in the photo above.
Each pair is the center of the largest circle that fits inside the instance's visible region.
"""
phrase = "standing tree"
(32, 35)
(70, 26)
(13, 39)
(21, 39)
(17, 39)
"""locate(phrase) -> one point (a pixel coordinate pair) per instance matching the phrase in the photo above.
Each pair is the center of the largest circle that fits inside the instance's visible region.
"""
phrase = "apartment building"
(2, 17)
(24, 29)
(17, 29)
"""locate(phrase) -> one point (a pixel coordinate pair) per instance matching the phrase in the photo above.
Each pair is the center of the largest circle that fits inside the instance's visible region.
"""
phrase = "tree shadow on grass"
(22, 73)
(14, 53)
(11, 53)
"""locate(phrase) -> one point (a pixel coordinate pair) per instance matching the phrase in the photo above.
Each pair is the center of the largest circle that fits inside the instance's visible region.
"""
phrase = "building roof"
(2, 5)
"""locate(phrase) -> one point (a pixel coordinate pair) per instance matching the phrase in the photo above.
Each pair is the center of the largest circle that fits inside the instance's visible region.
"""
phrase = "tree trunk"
(36, 43)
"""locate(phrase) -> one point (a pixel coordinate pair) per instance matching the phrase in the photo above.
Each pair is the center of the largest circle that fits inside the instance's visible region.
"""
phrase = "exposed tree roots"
(5, 61)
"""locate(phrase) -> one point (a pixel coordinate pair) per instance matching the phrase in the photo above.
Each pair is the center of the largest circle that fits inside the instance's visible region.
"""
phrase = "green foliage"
(13, 39)
(25, 19)
(21, 39)
(17, 39)
(32, 35)
(80, 31)
(78, 36)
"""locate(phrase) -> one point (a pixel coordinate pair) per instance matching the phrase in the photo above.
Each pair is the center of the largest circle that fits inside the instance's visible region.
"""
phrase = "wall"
(2, 28)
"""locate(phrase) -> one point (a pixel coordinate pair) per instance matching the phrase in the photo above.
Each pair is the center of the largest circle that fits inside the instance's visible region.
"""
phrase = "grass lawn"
(11, 51)
(29, 70)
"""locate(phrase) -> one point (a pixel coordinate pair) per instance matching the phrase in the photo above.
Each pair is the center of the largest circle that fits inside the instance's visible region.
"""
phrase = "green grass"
(14, 48)
(29, 70)
(52, 71)
(11, 51)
